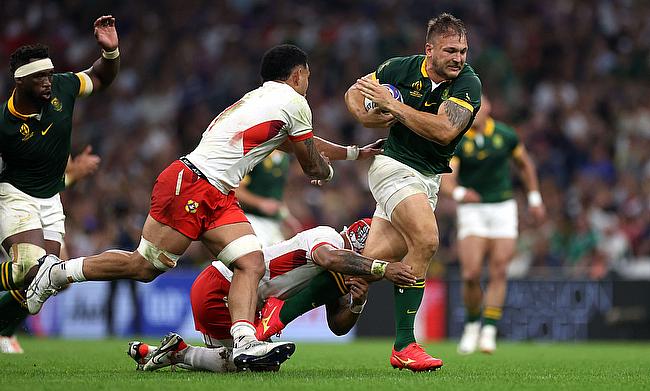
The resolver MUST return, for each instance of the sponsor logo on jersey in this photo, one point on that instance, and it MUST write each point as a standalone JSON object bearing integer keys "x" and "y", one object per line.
{"x": 191, "y": 206}
{"x": 56, "y": 103}
{"x": 44, "y": 132}
{"x": 26, "y": 132}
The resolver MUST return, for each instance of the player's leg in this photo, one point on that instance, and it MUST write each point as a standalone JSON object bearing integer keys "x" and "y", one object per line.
{"x": 236, "y": 246}
{"x": 276, "y": 314}
{"x": 471, "y": 250}
{"x": 495, "y": 294}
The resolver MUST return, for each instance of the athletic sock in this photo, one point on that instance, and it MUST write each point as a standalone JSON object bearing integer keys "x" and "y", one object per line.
{"x": 322, "y": 289}
{"x": 74, "y": 269}
{"x": 407, "y": 303}
{"x": 242, "y": 332}
{"x": 6, "y": 276}
{"x": 492, "y": 315}
{"x": 208, "y": 359}
{"x": 12, "y": 312}
{"x": 472, "y": 317}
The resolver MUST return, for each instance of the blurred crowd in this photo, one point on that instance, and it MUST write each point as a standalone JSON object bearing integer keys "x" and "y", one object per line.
{"x": 573, "y": 77}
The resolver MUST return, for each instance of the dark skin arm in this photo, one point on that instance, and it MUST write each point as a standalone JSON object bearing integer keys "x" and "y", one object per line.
{"x": 349, "y": 262}
{"x": 104, "y": 71}
{"x": 340, "y": 318}
{"x": 313, "y": 163}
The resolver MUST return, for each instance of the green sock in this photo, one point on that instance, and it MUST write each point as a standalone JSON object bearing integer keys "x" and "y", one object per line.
{"x": 492, "y": 315}
{"x": 473, "y": 317}
{"x": 407, "y": 303}
{"x": 12, "y": 312}
{"x": 6, "y": 278}
{"x": 322, "y": 289}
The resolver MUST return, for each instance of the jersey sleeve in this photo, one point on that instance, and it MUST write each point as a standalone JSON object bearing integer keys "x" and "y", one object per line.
{"x": 466, "y": 91}
{"x": 385, "y": 72}
{"x": 298, "y": 118}
{"x": 320, "y": 236}
{"x": 68, "y": 83}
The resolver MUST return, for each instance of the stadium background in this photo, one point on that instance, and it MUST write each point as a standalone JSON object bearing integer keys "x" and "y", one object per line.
{"x": 572, "y": 76}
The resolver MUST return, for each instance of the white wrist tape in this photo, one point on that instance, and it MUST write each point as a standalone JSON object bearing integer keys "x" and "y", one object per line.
{"x": 112, "y": 55}
{"x": 534, "y": 198}
{"x": 458, "y": 193}
{"x": 44, "y": 64}
{"x": 378, "y": 268}
{"x": 357, "y": 308}
{"x": 331, "y": 175}
{"x": 352, "y": 152}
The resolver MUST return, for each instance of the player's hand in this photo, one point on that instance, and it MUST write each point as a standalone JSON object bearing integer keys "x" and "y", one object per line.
{"x": 358, "y": 289}
{"x": 472, "y": 196}
{"x": 371, "y": 149}
{"x": 269, "y": 206}
{"x": 375, "y": 118}
{"x": 374, "y": 91}
{"x": 105, "y": 32}
{"x": 400, "y": 273}
{"x": 321, "y": 182}
{"x": 82, "y": 165}
{"x": 538, "y": 213}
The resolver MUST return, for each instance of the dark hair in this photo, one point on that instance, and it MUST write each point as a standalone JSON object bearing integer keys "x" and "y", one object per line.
{"x": 444, "y": 24}
{"x": 279, "y": 61}
{"x": 23, "y": 54}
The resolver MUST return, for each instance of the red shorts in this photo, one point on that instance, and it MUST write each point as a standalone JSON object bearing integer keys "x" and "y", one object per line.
{"x": 191, "y": 206}
{"x": 209, "y": 297}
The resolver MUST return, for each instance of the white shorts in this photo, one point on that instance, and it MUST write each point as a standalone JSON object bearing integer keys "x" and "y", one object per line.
{"x": 496, "y": 220}
{"x": 21, "y": 212}
{"x": 267, "y": 230}
{"x": 391, "y": 182}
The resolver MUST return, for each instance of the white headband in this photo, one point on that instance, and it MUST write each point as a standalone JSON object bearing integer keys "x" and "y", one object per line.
{"x": 43, "y": 64}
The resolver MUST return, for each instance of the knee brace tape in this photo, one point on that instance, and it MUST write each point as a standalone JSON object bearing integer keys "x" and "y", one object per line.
{"x": 160, "y": 259}
{"x": 24, "y": 256}
{"x": 238, "y": 248}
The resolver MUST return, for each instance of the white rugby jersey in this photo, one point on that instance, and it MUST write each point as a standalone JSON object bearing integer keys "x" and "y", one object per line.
{"x": 289, "y": 264}
{"x": 245, "y": 133}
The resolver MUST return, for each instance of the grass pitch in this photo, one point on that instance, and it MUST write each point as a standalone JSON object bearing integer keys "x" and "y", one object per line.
{"x": 53, "y": 364}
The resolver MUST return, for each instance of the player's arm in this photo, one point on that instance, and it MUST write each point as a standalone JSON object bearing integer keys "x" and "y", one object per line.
{"x": 442, "y": 128}
{"x": 313, "y": 163}
{"x": 373, "y": 118}
{"x": 335, "y": 151}
{"x": 351, "y": 263}
{"x": 105, "y": 69}
{"x": 268, "y": 206}
{"x": 81, "y": 166}
{"x": 343, "y": 313}
{"x": 449, "y": 185}
{"x": 528, "y": 174}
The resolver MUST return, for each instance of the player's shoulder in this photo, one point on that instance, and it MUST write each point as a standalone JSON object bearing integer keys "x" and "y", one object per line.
{"x": 403, "y": 62}
{"x": 321, "y": 231}
{"x": 468, "y": 76}
{"x": 504, "y": 128}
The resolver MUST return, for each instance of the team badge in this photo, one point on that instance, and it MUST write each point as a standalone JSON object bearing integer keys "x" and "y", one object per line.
{"x": 56, "y": 103}
{"x": 191, "y": 206}
{"x": 26, "y": 132}
{"x": 417, "y": 85}
{"x": 445, "y": 94}
{"x": 497, "y": 141}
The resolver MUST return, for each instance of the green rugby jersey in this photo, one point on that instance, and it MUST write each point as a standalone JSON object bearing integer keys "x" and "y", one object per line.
{"x": 409, "y": 75}
{"x": 484, "y": 162}
{"x": 35, "y": 150}
{"x": 267, "y": 179}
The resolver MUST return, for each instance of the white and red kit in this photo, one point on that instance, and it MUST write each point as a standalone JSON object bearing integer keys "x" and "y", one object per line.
{"x": 289, "y": 268}
{"x": 195, "y": 193}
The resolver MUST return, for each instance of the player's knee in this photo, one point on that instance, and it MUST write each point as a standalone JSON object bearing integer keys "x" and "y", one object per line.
{"x": 24, "y": 256}
{"x": 142, "y": 269}
{"x": 425, "y": 245}
{"x": 251, "y": 264}
{"x": 498, "y": 272}
{"x": 161, "y": 260}
{"x": 471, "y": 276}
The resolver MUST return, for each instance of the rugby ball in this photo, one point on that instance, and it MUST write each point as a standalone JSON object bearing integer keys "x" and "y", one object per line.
{"x": 393, "y": 90}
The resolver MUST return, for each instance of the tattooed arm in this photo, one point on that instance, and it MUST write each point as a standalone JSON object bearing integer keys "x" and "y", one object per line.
{"x": 442, "y": 128}
{"x": 351, "y": 263}
{"x": 313, "y": 163}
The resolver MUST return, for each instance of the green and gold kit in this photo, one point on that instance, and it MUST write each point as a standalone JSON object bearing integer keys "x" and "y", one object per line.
{"x": 484, "y": 161}
{"x": 267, "y": 179}
{"x": 409, "y": 75}
{"x": 35, "y": 148}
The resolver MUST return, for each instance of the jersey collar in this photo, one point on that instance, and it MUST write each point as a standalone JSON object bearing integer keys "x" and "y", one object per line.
{"x": 425, "y": 74}
{"x": 15, "y": 113}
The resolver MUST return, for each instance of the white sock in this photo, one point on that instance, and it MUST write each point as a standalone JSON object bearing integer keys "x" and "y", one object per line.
{"x": 74, "y": 269}
{"x": 209, "y": 359}
{"x": 242, "y": 332}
